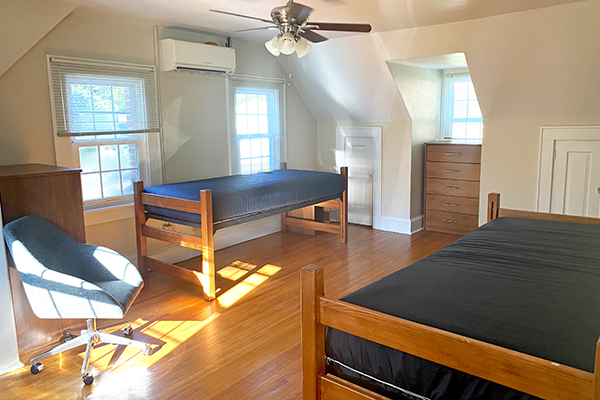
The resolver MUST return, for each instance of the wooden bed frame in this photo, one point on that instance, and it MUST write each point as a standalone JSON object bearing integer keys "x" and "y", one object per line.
{"x": 206, "y": 275}
{"x": 532, "y": 375}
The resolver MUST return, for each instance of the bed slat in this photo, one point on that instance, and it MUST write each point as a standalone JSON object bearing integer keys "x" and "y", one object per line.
{"x": 185, "y": 274}
{"x": 337, "y": 204}
{"x": 180, "y": 239}
{"x": 309, "y": 224}
{"x": 172, "y": 203}
{"x": 334, "y": 388}
{"x": 510, "y": 368}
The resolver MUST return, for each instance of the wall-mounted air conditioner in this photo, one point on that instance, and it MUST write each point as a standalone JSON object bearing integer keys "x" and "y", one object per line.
{"x": 180, "y": 55}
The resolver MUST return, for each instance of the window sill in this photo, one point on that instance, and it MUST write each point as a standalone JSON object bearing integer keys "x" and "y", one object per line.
{"x": 104, "y": 215}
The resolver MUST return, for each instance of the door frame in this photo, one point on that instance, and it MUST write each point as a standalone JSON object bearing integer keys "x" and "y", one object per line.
{"x": 373, "y": 132}
{"x": 549, "y": 136}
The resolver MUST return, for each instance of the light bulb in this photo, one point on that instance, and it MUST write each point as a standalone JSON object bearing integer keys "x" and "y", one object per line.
{"x": 302, "y": 47}
{"x": 287, "y": 43}
{"x": 272, "y": 46}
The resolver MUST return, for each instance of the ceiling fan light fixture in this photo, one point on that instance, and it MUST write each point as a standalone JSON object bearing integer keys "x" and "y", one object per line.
{"x": 302, "y": 47}
{"x": 273, "y": 46}
{"x": 287, "y": 43}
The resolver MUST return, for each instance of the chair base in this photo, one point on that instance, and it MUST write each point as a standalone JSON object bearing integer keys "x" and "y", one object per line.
{"x": 90, "y": 336}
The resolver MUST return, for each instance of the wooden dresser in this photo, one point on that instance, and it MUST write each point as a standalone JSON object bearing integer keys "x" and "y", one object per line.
{"x": 452, "y": 173}
{"x": 53, "y": 193}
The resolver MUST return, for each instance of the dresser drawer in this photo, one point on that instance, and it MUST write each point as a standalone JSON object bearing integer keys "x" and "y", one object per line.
{"x": 449, "y": 187}
{"x": 466, "y": 172}
{"x": 446, "y": 222}
{"x": 454, "y": 153}
{"x": 460, "y": 205}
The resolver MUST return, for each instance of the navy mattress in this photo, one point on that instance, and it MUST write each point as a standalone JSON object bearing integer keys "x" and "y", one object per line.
{"x": 526, "y": 285}
{"x": 237, "y": 196}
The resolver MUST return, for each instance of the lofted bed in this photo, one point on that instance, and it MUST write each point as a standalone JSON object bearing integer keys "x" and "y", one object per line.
{"x": 213, "y": 204}
{"x": 509, "y": 311}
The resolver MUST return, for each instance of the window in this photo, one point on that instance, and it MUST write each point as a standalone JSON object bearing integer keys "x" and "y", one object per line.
{"x": 107, "y": 110}
{"x": 257, "y": 139}
{"x": 461, "y": 115}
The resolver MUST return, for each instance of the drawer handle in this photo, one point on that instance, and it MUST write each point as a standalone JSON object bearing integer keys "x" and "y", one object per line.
{"x": 450, "y": 221}
{"x": 452, "y": 187}
{"x": 452, "y": 170}
{"x": 452, "y": 153}
{"x": 450, "y": 205}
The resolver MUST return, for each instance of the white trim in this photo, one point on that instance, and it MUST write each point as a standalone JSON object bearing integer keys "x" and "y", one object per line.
{"x": 12, "y": 368}
{"x": 416, "y": 224}
{"x": 374, "y": 132}
{"x": 108, "y": 214}
{"x": 393, "y": 224}
{"x": 548, "y": 137}
{"x": 223, "y": 238}
{"x": 401, "y": 225}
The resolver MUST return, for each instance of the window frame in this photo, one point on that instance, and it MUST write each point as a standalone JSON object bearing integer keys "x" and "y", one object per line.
{"x": 446, "y": 108}
{"x": 274, "y": 89}
{"x": 148, "y": 142}
{"x": 142, "y": 166}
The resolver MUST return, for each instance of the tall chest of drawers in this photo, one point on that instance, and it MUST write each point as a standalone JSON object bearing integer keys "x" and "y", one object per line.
{"x": 452, "y": 173}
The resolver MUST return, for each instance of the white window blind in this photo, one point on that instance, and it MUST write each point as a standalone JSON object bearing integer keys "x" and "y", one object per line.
{"x": 103, "y": 98}
{"x": 257, "y": 124}
{"x": 462, "y": 117}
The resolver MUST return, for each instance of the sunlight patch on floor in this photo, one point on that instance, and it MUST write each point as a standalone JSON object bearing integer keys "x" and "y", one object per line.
{"x": 163, "y": 337}
{"x": 241, "y": 289}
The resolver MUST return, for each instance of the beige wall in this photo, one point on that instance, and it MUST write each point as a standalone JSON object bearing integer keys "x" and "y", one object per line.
{"x": 194, "y": 113}
{"x": 530, "y": 69}
{"x": 421, "y": 90}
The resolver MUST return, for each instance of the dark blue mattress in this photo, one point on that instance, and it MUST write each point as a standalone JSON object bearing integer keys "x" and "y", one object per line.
{"x": 240, "y": 196}
{"x": 526, "y": 285}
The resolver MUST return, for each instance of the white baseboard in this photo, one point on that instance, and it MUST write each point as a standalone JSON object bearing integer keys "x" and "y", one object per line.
{"x": 13, "y": 367}
{"x": 416, "y": 224}
{"x": 401, "y": 225}
{"x": 223, "y": 238}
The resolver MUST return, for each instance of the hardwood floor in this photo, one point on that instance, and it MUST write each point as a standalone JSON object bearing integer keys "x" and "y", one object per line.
{"x": 245, "y": 344}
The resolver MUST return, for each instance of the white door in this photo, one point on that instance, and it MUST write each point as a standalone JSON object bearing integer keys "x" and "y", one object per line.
{"x": 576, "y": 178}
{"x": 359, "y": 155}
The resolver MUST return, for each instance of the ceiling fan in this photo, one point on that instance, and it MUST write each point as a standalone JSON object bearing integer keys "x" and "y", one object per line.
{"x": 295, "y": 30}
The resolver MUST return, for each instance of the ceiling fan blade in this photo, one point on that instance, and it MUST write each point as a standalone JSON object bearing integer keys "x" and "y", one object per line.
{"x": 299, "y": 12}
{"x": 257, "y": 29}
{"x": 332, "y": 26}
{"x": 312, "y": 36}
{"x": 268, "y": 21}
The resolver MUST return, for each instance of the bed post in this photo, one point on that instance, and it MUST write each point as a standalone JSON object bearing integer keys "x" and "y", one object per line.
{"x": 140, "y": 220}
{"x": 284, "y": 227}
{"x": 493, "y": 206}
{"x": 344, "y": 210}
{"x": 313, "y": 333}
{"x": 208, "y": 248}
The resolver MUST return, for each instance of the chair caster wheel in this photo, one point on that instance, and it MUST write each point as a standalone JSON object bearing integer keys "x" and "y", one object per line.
{"x": 88, "y": 379}
{"x": 36, "y": 368}
{"x": 147, "y": 351}
{"x": 128, "y": 331}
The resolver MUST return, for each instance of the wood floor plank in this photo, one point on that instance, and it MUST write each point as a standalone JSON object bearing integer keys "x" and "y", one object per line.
{"x": 236, "y": 347}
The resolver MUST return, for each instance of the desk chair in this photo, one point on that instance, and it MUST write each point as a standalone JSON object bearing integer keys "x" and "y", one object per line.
{"x": 66, "y": 279}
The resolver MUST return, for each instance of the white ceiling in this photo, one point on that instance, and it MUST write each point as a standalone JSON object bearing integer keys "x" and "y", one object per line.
{"x": 383, "y": 15}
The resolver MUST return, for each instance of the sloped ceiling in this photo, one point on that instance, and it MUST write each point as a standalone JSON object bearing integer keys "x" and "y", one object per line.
{"x": 383, "y": 15}
{"x": 23, "y": 23}
{"x": 533, "y": 64}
